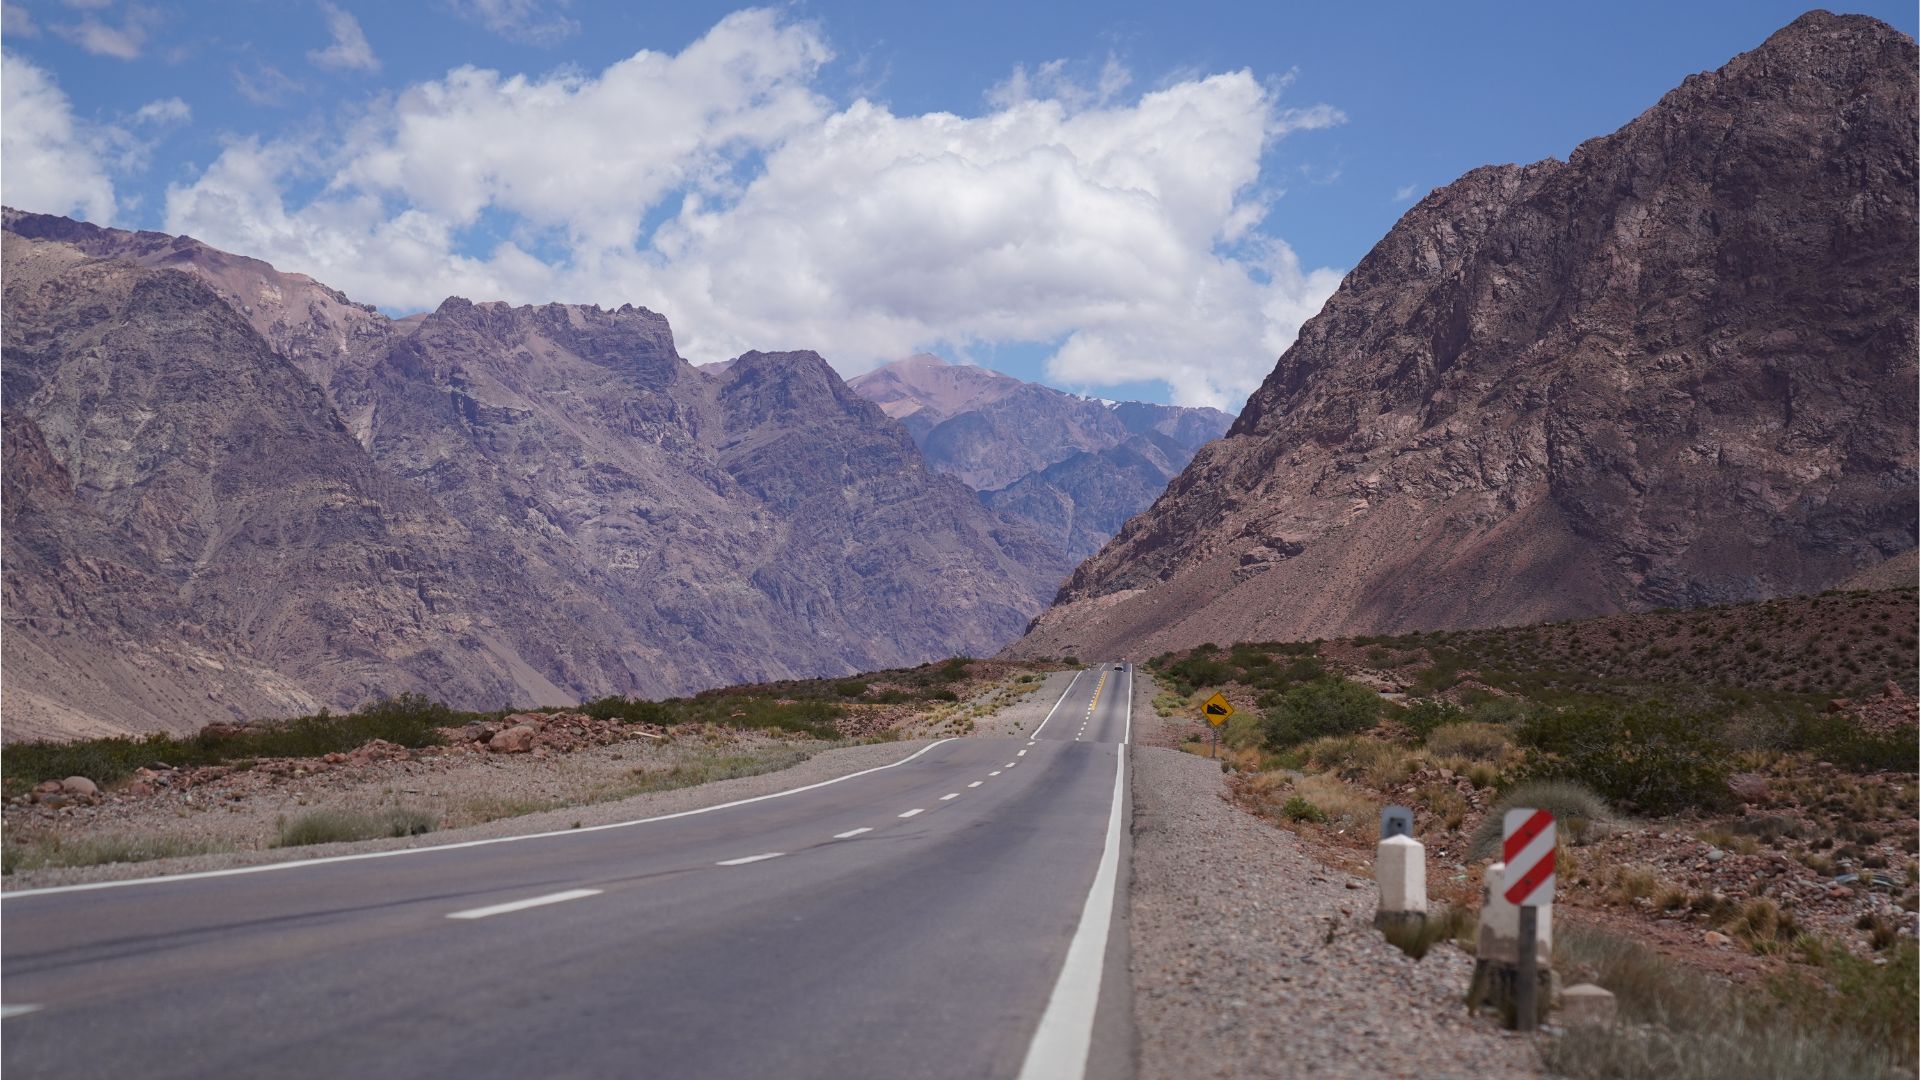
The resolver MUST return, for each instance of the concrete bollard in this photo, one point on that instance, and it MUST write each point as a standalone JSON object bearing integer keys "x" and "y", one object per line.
{"x": 1400, "y": 869}
{"x": 1500, "y": 924}
{"x": 1587, "y": 1004}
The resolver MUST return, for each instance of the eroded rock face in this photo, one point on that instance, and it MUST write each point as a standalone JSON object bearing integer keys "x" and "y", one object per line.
{"x": 233, "y": 493}
{"x": 1073, "y": 468}
{"x": 1678, "y": 368}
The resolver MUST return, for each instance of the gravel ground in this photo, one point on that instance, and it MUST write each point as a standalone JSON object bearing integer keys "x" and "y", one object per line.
{"x": 523, "y": 778}
{"x": 1251, "y": 959}
{"x": 1026, "y": 714}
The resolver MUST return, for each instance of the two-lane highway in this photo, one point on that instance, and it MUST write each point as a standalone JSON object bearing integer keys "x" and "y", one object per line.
{"x": 950, "y": 915}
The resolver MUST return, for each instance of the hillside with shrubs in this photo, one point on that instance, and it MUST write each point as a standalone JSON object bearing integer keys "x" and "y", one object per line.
{"x": 1736, "y": 788}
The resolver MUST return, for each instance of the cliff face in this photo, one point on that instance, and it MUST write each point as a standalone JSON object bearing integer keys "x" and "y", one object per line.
{"x": 1073, "y": 468}
{"x": 193, "y": 535}
{"x": 1678, "y": 368}
{"x": 231, "y": 492}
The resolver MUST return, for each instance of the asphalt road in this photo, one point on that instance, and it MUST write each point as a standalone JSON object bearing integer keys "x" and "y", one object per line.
{"x": 954, "y": 915}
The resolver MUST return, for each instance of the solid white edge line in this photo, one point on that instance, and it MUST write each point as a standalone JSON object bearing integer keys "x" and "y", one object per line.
{"x": 18, "y": 1010}
{"x": 294, "y": 864}
{"x": 851, "y": 833}
{"x": 1064, "y": 1038}
{"x": 1127, "y": 735}
{"x": 745, "y": 859}
{"x": 522, "y": 905}
{"x": 1057, "y": 704}
{"x": 915, "y": 810}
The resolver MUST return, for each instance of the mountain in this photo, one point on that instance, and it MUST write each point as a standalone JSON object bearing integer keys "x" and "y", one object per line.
{"x": 1676, "y": 369}
{"x": 232, "y": 492}
{"x": 1073, "y": 468}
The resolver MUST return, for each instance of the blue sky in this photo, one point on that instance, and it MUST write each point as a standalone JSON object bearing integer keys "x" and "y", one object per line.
{"x": 1131, "y": 199}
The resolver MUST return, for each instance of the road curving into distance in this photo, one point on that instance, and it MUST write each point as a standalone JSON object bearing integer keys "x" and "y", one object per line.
{"x": 954, "y": 914}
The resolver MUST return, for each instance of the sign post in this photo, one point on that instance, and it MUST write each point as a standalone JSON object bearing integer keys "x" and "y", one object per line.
{"x": 1217, "y": 709}
{"x": 1530, "y": 851}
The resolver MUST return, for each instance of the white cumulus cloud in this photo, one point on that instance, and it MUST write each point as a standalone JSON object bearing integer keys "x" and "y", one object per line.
{"x": 720, "y": 187}
{"x": 48, "y": 162}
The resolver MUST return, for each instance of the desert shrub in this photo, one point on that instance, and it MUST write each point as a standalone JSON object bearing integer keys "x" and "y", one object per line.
{"x": 1575, "y": 810}
{"x": 629, "y": 710}
{"x": 854, "y": 688}
{"x": 1472, "y": 740}
{"x": 1835, "y": 738}
{"x": 1846, "y": 1017}
{"x": 409, "y": 720}
{"x": 1330, "y": 706}
{"x": 1297, "y": 808}
{"x": 1645, "y": 755}
{"x": 1198, "y": 669}
{"x": 333, "y": 826}
{"x": 1423, "y": 715}
{"x": 1354, "y": 757}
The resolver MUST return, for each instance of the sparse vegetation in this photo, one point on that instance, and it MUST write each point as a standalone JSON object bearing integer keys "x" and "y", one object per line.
{"x": 1842, "y": 1018}
{"x": 334, "y": 826}
{"x": 409, "y": 720}
{"x": 37, "y": 851}
{"x": 1576, "y": 810}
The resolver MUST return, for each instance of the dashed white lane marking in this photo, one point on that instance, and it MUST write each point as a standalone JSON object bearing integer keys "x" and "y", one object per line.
{"x": 745, "y": 859}
{"x": 522, "y": 905}
{"x": 1022, "y": 753}
{"x": 850, "y": 833}
{"x": 949, "y": 795}
{"x": 976, "y": 783}
{"x": 1057, "y": 704}
{"x": 17, "y": 1010}
{"x": 1010, "y": 764}
{"x": 915, "y": 810}
{"x": 995, "y": 772}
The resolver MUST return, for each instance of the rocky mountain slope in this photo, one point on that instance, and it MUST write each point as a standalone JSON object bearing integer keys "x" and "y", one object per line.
{"x": 1677, "y": 368}
{"x": 232, "y": 492}
{"x": 1073, "y": 468}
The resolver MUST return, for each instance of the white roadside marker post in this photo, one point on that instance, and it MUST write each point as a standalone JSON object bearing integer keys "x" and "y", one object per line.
{"x": 1399, "y": 869}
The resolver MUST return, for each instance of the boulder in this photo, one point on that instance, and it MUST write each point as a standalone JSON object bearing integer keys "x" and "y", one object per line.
{"x": 514, "y": 740}
{"x": 81, "y": 786}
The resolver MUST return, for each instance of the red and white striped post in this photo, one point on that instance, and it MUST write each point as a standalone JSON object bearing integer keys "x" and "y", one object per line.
{"x": 1530, "y": 852}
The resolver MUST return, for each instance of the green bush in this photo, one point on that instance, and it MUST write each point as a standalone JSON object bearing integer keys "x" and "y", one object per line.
{"x": 1835, "y": 738}
{"x": 409, "y": 720}
{"x": 1329, "y": 706}
{"x": 1423, "y": 715}
{"x": 1645, "y": 755}
{"x": 1299, "y": 809}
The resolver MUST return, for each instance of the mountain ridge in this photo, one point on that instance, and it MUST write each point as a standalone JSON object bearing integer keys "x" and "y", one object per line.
{"x": 1676, "y": 368}
{"x": 560, "y": 505}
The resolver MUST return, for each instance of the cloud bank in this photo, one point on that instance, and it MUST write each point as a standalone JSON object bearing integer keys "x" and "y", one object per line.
{"x": 1117, "y": 229}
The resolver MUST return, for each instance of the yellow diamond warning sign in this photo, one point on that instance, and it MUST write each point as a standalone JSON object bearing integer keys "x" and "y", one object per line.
{"x": 1217, "y": 710}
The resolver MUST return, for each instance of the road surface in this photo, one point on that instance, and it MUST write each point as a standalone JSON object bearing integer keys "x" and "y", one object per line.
{"x": 956, "y": 914}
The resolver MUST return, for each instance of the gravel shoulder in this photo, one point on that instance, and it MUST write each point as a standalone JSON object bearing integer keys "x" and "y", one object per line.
{"x": 1252, "y": 959}
{"x": 420, "y": 786}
